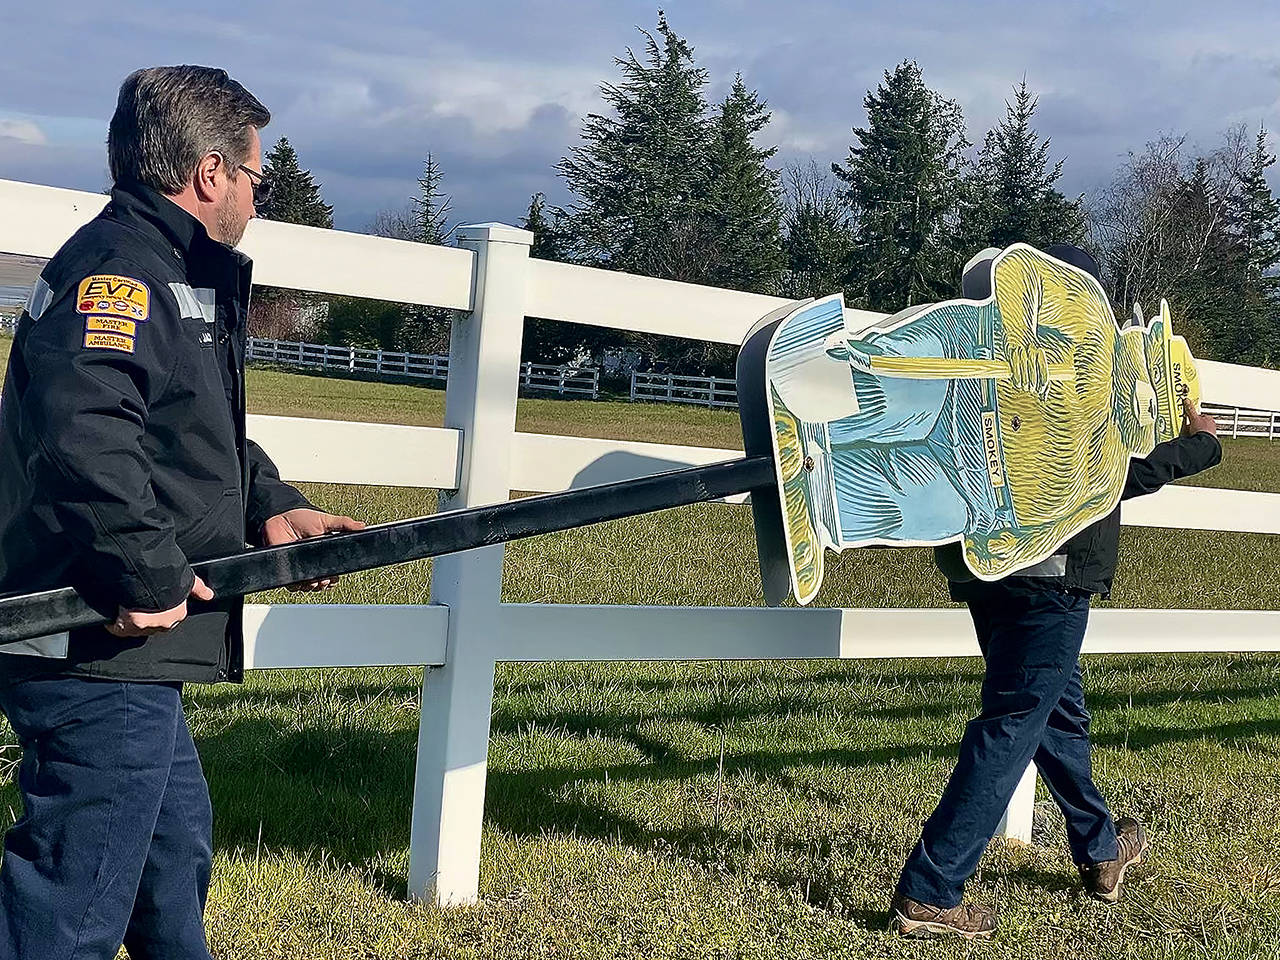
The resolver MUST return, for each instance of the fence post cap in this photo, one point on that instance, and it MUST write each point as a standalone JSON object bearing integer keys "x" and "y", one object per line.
{"x": 494, "y": 233}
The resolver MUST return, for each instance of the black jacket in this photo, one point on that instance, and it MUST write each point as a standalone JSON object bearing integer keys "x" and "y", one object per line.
{"x": 1092, "y": 554}
{"x": 123, "y": 455}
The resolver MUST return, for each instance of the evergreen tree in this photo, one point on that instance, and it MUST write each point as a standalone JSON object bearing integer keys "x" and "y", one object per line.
{"x": 295, "y": 197}
{"x": 977, "y": 205}
{"x": 1197, "y": 231}
{"x": 1257, "y": 216}
{"x": 548, "y": 232}
{"x": 399, "y": 326}
{"x": 1010, "y": 194}
{"x": 432, "y": 206}
{"x": 819, "y": 238}
{"x": 639, "y": 176}
{"x": 554, "y": 341}
{"x": 744, "y": 247}
{"x": 903, "y": 180}
{"x": 1255, "y": 221}
{"x": 426, "y": 329}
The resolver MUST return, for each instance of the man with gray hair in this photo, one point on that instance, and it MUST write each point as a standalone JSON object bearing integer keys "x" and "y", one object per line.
{"x": 123, "y": 459}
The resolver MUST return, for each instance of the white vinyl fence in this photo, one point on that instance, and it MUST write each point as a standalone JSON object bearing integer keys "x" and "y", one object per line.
{"x": 673, "y": 388}
{"x": 478, "y": 458}
{"x": 723, "y": 392}
{"x": 550, "y": 378}
{"x": 1238, "y": 422}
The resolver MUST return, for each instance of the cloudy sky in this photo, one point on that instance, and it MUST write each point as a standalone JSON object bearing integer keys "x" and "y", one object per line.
{"x": 497, "y": 88}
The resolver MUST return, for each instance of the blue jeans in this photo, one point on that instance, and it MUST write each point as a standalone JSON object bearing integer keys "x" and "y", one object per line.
{"x": 114, "y": 844}
{"x": 1033, "y": 708}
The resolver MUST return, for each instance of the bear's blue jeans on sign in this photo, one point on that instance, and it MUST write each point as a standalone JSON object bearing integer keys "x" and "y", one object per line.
{"x": 1030, "y": 632}
{"x": 114, "y": 841}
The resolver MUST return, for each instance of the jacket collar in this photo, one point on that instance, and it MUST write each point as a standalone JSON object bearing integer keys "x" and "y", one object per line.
{"x": 187, "y": 235}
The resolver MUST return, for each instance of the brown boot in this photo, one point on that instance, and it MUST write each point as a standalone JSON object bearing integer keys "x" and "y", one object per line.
{"x": 1102, "y": 880}
{"x": 913, "y": 919}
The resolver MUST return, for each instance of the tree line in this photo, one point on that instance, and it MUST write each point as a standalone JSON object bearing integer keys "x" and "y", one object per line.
{"x": 666, "y": 183}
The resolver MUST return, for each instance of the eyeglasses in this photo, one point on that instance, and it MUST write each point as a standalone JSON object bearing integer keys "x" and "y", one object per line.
{"x": 261, "y": 186}
{"x": 257, "y": 181}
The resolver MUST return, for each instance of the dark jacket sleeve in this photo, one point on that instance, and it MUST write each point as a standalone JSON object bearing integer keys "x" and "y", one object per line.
{"x": 1172, "y": 460}
{"x": 87, "y": 406}
{"x": 268, "y": 494}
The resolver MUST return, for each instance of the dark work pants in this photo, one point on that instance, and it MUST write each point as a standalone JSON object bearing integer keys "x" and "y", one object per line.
{"x": 1032, "y": 709}
{"x": 114, "y": 841}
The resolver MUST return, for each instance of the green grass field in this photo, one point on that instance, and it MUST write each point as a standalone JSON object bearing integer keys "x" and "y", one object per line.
{"x": 614, "y": 828}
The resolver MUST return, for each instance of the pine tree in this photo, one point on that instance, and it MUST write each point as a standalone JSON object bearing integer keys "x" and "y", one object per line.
{"x": 977, "y": 205}
{"x": 639, "y": 176}
{"x": 819, "y": 237}
{"x": 295, "y": 197}
{"x": 903, "y": 181}
{"x": 426, "y": 329}
{"x": 432, "y": 206}
{"x": 554, "y": 341}
{"x": 1011, "y": 195}
{"x": 744, "y": 212}
{"x": 548, "y": 238}
{"x": 397, "y": 326}
{"x": 1255, "y": 220}
{"x": 1194, "y": 230}
{"x": 1258, "y": 215}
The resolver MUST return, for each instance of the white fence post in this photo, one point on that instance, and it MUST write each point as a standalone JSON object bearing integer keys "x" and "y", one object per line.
{"x": 453, "y": 738}
{"x": 1016, "y": 823}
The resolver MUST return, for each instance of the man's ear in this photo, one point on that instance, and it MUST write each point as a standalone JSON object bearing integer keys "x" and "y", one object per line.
{"x": 209, "y": 171}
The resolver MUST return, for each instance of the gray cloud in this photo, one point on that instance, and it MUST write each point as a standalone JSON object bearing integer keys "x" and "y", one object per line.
{"x": 497, "y": 90}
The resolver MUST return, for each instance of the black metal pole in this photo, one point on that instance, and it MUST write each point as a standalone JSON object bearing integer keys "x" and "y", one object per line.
{"x": 25, "y": 616}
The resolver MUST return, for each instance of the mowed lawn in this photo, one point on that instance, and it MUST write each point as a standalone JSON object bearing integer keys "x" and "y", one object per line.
{"x": 757, "y": 809}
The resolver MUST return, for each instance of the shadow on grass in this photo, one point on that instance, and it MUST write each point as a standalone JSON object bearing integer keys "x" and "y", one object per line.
{"x": 344, "y": 789}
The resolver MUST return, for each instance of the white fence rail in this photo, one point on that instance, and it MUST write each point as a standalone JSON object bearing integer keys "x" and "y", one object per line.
{"x": 549, "y": 378}
{"x": 723, "y": 392}
{"x": 1238, "y": 422}
{"x": 480, "y": 457}
{"x": 673, "y": 388}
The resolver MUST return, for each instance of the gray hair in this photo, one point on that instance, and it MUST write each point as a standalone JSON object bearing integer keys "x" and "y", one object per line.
{"x": 168, "y": 118}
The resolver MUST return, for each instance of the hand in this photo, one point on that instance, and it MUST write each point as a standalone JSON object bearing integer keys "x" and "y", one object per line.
{"x": 137, "y": 623}
{"x": 1194, "y": 422}
{"x": 303, "y": 524}
{"x": 1029, "y": 368}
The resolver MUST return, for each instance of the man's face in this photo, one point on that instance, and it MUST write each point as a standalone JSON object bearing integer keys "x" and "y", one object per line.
{"x": 235, "y": 210}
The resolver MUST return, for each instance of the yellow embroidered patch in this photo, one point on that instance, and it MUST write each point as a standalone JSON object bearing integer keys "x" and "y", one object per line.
{"x": 111, "y": 325}
{"x": 111, "y": 295}
{"x": 108, "y": 341}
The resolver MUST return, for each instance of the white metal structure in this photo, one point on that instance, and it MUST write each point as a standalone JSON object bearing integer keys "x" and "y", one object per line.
{"x": 479, "y": 456}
